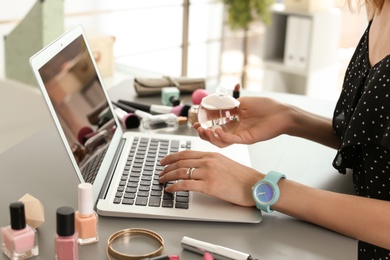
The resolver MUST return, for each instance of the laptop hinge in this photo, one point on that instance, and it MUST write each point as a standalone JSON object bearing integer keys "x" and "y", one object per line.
{"x": 111, "y": 170}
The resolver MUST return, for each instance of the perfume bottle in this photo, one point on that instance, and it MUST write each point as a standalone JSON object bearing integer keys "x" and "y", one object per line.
{"x": 219, "y": 110}
{"x": 19, "y": 240}
{"x": 86, "y": 219}
{"x": 65, "y": 241}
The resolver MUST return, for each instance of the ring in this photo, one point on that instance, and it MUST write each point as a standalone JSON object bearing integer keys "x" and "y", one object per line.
{"x": 189, "y": 172}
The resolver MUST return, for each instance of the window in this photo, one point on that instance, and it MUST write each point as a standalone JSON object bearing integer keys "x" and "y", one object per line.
{"x": 170, "y": 37}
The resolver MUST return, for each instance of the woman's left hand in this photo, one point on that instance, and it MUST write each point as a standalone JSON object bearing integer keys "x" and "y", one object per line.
{"x": 213, "y": 174}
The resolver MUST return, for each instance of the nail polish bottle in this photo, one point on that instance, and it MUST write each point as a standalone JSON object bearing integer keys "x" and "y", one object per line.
{"x": 87, "y": 221}
{"x": 65, "y": 241}
{"x": 170, "y": 96}
{"x": 19, "y": 240}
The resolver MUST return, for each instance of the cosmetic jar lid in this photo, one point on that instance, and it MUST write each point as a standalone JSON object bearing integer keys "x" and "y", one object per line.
{"x": 18, "y": 217}
{"x": 65, "y": 221}
{"x": 219, "y": 100}
{"x": 85, "y": 198}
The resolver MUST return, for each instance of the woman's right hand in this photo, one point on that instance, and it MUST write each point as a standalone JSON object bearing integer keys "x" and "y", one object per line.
{"x": 261, "y": 119}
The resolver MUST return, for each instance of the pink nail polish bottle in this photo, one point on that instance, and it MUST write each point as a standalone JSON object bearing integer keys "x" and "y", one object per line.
{"x": 19, "y": 240}
{"x": 65, "y": 241}
{"x": 87, "y": 223}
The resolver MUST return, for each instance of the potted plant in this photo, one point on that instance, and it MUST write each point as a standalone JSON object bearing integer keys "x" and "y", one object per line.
{"x": 240, "y": 14}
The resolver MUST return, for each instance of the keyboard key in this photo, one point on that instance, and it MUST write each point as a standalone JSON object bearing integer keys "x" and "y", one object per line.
{"x": 131, "y": 190}
{"x": 144, "y": 188}
{"x": 140, "y": 184}
{"x": 145, "y": 183}
{"x": 168, "y": 196}
{"x": 182, "y": 194}
{"x": 182, "y": 199}
{"x": 156, "y": 193}
{"x": 141, "y": 201}
{"x": 132, "y": 184}
{"x": 157, "y": 187}
{"x": 181, "y": 205}
{"x": 129, "y": 195}
{"x": 154, "y": 201}
{"x": 128, "y": 201}
{"x": 143, "y": 194}
{"x": 167, "y": 203}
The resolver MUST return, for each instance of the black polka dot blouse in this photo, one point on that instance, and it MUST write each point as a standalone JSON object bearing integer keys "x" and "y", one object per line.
{"x": 362, "y": 122}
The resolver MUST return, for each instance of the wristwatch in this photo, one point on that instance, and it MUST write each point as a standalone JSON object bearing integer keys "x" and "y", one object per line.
{"x": 266, "y": 192}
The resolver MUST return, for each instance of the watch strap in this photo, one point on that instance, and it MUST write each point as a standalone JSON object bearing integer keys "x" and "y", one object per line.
{"x": 272, "y": 177}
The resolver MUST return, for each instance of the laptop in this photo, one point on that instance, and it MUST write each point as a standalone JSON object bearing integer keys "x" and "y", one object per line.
{"x": 125, "y": 180}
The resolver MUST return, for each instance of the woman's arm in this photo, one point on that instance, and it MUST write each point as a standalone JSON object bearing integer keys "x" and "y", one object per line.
{"x": 215, "y": 175}
{"x": 312, "y": 127}
{"x": 264, "y": 118}
{"x": 362, "y": 218}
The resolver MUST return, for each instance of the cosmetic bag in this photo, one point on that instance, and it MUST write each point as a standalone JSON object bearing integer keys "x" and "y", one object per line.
{"x": 153, "y": 86}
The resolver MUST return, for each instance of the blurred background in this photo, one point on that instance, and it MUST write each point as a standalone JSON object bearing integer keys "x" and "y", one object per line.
{"x": 196, "y": 38}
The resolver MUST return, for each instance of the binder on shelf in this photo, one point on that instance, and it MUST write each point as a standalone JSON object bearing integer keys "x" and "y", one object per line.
{"x": 304, "y": 42}
{"x": 297, "y": 43}
{"x": 291, "y": 42}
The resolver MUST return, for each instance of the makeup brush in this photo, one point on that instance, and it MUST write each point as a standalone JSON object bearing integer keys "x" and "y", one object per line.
{"x": 129, "y": 120}
{"x": 85, "y": 133}
{"x": 180, "y": 110}
{"x": 150, "y": 123}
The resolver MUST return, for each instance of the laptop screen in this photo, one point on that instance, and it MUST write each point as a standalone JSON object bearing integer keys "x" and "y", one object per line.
{"x": 77, "y": 96}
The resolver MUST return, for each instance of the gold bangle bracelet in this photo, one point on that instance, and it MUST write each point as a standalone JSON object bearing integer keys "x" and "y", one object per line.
{"x": 133, "y": 231}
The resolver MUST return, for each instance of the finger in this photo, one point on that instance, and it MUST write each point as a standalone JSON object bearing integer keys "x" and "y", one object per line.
{"x": 177, "y": 164}
{"x": 215, "y": 137}
{"x": 190, "y": 185}
{"x": 202, "y": 134}
{"x": 180, "y": 156}
{"x": 190, "y": 173}
{"x": 176, "y": 174}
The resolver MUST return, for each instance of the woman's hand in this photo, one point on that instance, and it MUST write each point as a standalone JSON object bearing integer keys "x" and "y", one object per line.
{"x": 261, "y": 119}
{"x": 213, "y": 174}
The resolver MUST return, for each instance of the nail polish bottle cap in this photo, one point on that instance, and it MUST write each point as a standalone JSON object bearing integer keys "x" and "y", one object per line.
{"x": 85, "y": 196}
{"x": 18, "y": 217}
{"x": 65, "y": 221}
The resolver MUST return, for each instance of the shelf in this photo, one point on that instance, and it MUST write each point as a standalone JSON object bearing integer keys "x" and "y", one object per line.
{"x": 299, "y": 46}
{"x": 280, "y": 8}
{"x": 279, "y": 65}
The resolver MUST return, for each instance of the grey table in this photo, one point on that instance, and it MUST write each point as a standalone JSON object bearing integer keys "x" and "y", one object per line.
{"x": 40, "y": 166}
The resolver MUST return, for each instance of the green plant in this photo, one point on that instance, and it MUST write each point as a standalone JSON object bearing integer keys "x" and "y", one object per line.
{"x": 242, "y": 12}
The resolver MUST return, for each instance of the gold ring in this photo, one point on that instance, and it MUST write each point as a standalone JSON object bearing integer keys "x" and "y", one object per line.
{"x": 129, "y": 232}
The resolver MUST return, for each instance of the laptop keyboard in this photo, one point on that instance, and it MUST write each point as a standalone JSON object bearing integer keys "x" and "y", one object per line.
{"x": 139, "y": 183}
{"x": 91, "y": 168}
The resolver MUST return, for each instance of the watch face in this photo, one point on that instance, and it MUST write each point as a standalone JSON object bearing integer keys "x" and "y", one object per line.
{"x": 264, "y": 193}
